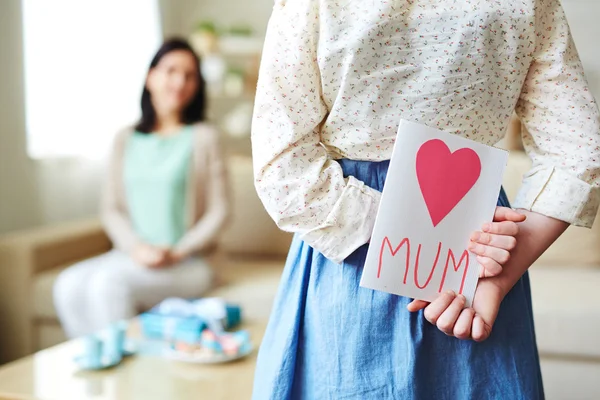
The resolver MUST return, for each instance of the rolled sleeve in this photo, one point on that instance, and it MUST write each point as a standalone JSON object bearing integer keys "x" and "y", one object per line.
{"x": 349, "y": 225}
{"x": 301, "y": 187}
{"x": 559, "y": 194}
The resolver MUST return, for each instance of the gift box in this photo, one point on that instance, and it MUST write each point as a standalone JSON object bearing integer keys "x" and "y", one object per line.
{"x": 185, "y": 320}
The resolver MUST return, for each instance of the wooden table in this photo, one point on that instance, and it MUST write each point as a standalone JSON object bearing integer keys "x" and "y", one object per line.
{"x": 51, "y": 374}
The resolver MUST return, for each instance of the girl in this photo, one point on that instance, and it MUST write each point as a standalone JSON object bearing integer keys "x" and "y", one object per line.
{"x": 336, "y": 79}
{"x": 164, "y": 204}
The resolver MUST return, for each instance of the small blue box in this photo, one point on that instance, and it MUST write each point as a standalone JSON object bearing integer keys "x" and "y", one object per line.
{"x": 186, "y": 328}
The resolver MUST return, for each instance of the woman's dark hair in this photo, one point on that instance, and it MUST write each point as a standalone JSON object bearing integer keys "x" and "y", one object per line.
{"x": 195, "y": 111}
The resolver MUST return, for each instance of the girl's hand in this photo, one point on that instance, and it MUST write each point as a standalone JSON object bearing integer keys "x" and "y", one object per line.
{"x": 493, "y": 244}
{"x": 449, "y": 314}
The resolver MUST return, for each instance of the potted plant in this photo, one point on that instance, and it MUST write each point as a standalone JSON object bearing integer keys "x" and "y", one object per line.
{"x": 205, "y": 38}
{"x": 240, "y": 30}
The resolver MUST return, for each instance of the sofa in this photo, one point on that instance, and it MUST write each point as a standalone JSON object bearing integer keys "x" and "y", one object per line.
{"x": 565, "y": 280}
{"x": 248, "y": 262}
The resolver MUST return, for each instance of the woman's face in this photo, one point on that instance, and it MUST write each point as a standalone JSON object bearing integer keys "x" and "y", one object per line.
{"x": 173, "y": 82}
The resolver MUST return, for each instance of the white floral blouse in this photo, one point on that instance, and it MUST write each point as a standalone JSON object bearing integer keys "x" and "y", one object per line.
{"x": 338, "y": 75}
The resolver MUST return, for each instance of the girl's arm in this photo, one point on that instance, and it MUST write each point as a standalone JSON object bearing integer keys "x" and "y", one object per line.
{"x": 301, "y": 188}
{"x": 535, "y": 236}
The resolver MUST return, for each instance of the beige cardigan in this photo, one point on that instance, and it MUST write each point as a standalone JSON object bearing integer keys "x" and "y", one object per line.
{"x": 207, "y": 197}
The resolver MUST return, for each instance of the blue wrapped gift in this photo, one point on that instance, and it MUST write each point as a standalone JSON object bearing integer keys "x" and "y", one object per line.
{"x": 184, "y": 320}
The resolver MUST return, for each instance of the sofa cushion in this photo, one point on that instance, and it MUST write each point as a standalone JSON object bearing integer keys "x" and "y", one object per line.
{"x": 251, "y": 231}
{"x": 566, "y": 310}
{"x": 43, "y": 301}
{"x": 570, "y": 379}
{"x": 48, "y": 334}
{"x": 252, "y": 284}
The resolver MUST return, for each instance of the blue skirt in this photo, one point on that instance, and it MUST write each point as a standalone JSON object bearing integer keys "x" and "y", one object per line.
{"x": 328, "y": 338}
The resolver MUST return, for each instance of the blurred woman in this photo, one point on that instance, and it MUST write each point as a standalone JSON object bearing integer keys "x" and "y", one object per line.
{"x": 164, "y": 203}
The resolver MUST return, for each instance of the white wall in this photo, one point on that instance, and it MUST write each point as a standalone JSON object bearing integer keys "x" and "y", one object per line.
{"x": 254, "y": 13}
{"x": 19, "y": 200}
{"x": 33, "y": 193}
{"x": 169, "y": 15}
{"x": 583, "y": 19}
{"x": 39, "y": 192}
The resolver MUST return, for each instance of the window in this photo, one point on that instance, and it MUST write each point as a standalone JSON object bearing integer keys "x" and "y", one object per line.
{"x": 85, "y": 64}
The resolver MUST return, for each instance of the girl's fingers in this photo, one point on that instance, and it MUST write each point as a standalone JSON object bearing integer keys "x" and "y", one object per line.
{"x": 438, "y": 306}
{"x": 501, "y": 256}
{"x": 417, "y": 305}
{"x": 507, "y": 228}
{"x": 480, "y": 330}
{"x": 447, "y": 320}
{"x": 489, "y": 268}
{"x": 494, "y": 240}
{"x": 508, "y": 214}
{"x": 462, "y": 328}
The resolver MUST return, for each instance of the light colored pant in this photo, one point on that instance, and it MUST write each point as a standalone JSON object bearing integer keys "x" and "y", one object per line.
{"x": 94, "y": 293}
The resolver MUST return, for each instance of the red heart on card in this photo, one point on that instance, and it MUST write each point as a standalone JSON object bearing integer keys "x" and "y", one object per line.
{"x": 445, "y": 177}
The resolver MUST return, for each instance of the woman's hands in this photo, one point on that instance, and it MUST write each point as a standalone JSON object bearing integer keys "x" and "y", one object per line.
{"x": 156, "y": 257}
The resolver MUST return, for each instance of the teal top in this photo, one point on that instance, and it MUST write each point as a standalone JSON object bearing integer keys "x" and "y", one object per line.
{"x": 156, "y": 175}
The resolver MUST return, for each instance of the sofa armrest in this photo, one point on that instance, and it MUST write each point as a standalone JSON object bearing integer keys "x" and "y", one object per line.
{"x": 27, "y": 253}
{"x": 52, "y": 246}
